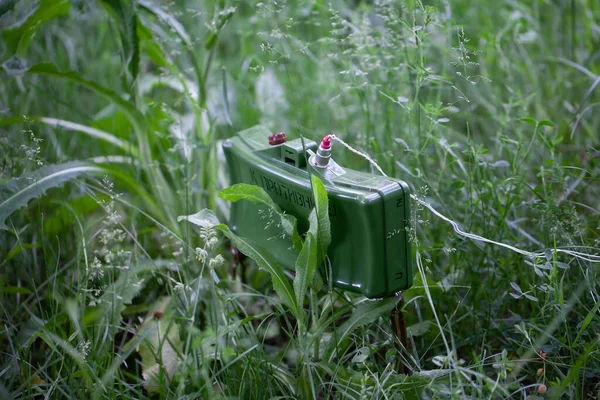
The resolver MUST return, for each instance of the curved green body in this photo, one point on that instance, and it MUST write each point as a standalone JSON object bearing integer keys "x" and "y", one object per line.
{"x": 369, "y": 252}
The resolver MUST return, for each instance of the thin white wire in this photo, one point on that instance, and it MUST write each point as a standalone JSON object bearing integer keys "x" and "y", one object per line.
{"x": 582, "y": 256}
{"x": 360, "y": 153}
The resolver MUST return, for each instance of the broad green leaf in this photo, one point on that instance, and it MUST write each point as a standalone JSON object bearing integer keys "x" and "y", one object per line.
{"x": 529, "y": 120}
{"x": 545, "y": 122}
{"x": 204, "y": 218}
{"x": 19, "y": 38}
{"x": 306, "y": 264}
{"x": 17, "y": 192}
{"x": 324, "y": 225}
{"x": 253, "y": 193}
{"x": 365, "y": 313}
{"x": 266, "y": 262}
{"x": 257, "y": 195}
{"x": 313, "y": 223}
{"x": 290, "y": 226}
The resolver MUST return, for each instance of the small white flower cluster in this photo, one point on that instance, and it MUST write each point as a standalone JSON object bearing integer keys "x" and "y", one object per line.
{"x": 201, "y": 255}
{"x": 216, "y": 262}
{"x": 268, "y": 216}
{"x": 96, "y": 271}
{"x": 83, "y": 348}
{"x": 32, "y": 151}
{"x": 209, "y": 235}
{"x": 415, "y": 215}
{"x": 110, "y": 256}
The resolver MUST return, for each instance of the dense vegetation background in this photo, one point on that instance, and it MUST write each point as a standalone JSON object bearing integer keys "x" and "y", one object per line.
{"x": 111, "y": 113}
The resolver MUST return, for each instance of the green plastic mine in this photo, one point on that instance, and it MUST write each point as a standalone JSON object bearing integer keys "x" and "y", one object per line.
{"x": 370, "y": 252}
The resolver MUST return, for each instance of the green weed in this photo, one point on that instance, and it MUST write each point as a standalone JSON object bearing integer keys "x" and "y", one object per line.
{"x": 111, "y": 116}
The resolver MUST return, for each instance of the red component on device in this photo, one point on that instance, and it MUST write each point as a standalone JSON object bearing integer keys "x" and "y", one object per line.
{"x": 326, "y": 142}
{"x": 277, "y": 138}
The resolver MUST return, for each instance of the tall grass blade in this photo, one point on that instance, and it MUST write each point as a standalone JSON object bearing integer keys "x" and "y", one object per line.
{"x": 124, "y": 14}
{"x": 76, "y": 127}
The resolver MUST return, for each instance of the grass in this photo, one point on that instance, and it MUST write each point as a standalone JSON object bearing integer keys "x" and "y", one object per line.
{"x": 111, "y": 114}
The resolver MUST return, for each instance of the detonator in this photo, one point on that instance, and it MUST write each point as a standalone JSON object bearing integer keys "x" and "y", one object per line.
{"x": 370, "y": 252}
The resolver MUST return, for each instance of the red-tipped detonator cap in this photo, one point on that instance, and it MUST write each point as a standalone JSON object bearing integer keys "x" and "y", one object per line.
{"x": 321, "y": 159}
{"x": 277, "y": 138}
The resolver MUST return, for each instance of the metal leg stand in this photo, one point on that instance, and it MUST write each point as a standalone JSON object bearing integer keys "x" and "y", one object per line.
{"x": 237, "y": 259}
{"x": 399, "y": 328}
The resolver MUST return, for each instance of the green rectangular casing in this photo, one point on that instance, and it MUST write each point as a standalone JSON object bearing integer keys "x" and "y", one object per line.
{"x": 370, "y": 251}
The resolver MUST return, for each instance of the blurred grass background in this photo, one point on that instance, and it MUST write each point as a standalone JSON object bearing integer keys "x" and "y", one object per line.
{"x": 487, "y": 109}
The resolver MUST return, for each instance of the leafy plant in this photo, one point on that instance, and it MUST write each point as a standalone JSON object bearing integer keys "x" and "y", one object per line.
{"x": 17, "y": 192}
{"x": 111, "y": 118}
